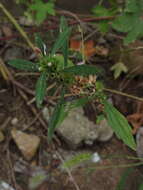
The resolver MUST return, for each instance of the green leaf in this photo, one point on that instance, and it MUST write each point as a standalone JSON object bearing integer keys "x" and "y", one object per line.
{"x": 101, "y": 11}
{"x": 119, "y": 68}
{"x": 135, "y": 33}
{"x": 24, "y": 65}
{"x": 40, "y": 44}
{"x": 119, "y": 124}
{"x": 83, "y": 70}
{"x": 141, "y": 187}
{"x": 122, "y": 183}
{"x": 37, "y": 179}
{"x": 56, "y": 117}
{"x": 65, "y": 53}
{"x": 140, "y": 4}
{"x": 41, "y": 86}
{"x": 131, "y": 6}
{"x": 76, "y": 160}
{"x": 63, "y": 27}
{"x": 103, "y": 26}
{"x": 60, "y": 62}
{"x": 125, "y": 22}
{"x": 63, "y": 36}
{"x": 80, "y": 102}
{"x": 63, "y": 23}
{"x": 42, "y": 9}
{"x": 131, "y": 23}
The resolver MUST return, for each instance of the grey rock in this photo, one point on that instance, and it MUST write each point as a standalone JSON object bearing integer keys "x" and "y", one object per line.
{"x": 105, "y": 132}
{"x": 77, "y": 128}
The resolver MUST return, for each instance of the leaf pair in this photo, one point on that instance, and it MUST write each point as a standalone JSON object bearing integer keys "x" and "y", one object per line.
{"x": 62, "y": 39}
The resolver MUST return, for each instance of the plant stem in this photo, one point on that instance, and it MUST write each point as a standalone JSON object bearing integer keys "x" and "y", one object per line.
{"x": 18, "y": 27}
{"x": 123, "y": 94}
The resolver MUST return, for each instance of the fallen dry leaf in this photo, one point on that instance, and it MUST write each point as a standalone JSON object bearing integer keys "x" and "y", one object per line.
{"x": 89, "y": 48}
{"x": 136, "y": 119}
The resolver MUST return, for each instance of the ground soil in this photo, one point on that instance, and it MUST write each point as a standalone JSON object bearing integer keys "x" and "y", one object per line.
{"x": 14, "y": 100}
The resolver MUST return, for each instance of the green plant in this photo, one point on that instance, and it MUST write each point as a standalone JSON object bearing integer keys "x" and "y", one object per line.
{"x": 127, "y": 20}
{"x": 38, "y": 9}
{"x": 79, "y": 80}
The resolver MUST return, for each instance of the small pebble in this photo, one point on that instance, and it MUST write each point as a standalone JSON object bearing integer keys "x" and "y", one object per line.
{"x": 14, "y": 121}
{"x": 95, "y": 157}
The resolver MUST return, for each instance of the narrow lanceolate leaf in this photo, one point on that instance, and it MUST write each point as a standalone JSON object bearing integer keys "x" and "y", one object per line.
{"x": 76, "y": 160}
{"x": 84, "y": 70}
{"x": 122, "y": 183}
{"x": 141, "y": 187}
{"x": 63, "y": 36}
{"x": 63, "y": 27}
{"x": 41, "y": 88}
{"x": 119, "y": 124}
{"x": 40, "y": 44}
{"x": 65, "y": 53}
{"x": 63, "y": 24}
{"x": 24, "y": 65}
{"x": 56, "y": 117}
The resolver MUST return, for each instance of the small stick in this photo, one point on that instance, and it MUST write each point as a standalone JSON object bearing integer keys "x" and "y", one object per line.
{"x": 123, "y": 94}
{"x": 17, "y": 26}
{"x": 5, "y": 123}
{"x": 68, "y": 172}
{"x": 33, "y": 109}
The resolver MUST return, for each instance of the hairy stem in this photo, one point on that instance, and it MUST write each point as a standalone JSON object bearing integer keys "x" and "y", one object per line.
{"x": 17, "y": 26}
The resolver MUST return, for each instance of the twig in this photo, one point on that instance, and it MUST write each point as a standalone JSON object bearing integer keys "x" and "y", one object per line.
{"x": 26, "y": 74}
{"x": 74, "y": 22}
{"x": 18, "y": 27}
{"x": 123, "y": 94}
{"x": 69, "y": 172}
{"x": 18, "y": 84}
{"x": 49, "y": 88}
{"x": 33, "y": 109}
{"x": 34, "y": 120}
{"x": 5, "y": 123}
{"x": 4, "y": 71}
{"x": 11, "y": 167}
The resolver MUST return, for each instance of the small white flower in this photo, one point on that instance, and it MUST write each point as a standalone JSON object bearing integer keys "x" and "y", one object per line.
{"x": 40, "y": 68}
{"x": 95, "y": 157}
{"x": 49, "y": 64}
